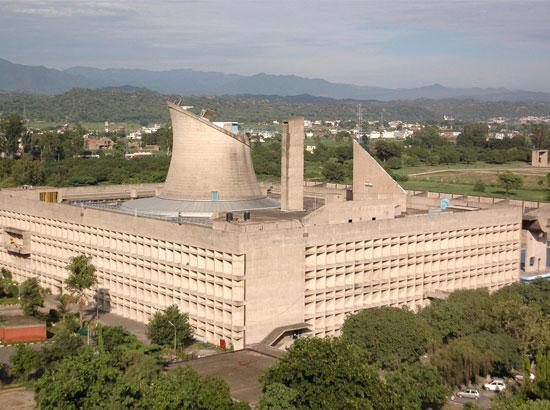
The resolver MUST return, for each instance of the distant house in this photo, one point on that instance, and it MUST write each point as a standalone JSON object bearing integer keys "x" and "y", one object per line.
{"x": 97, "y": 144}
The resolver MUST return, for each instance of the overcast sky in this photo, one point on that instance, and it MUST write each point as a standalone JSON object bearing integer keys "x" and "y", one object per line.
{"x": 460, "y": 43}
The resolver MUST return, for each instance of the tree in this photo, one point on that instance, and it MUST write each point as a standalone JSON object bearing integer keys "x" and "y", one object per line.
{"x": 8, "y": 288}
{"x": 160, "y": 328}
{"x": 421, "y": 386}
{"x": 278, "y": 397}
{"x": 330, "y": 374}
{"x": 428, "y": 137}
{"x": 387, "y": 149}
{"x": 184, "y": 388}
{"x": 460, "y": 362}
{"x": 24, "y": 361}
{"x": 508, "y": 180}
{"x": 479, "y": 186}
{"x": 473, "y": 135}
{"x": 83, "y": 381}
{"x": 81, "y": 278}
{"x": 26, "y": 171}
{"x": 462, "y": 313}
{"x": 333, "y": 171}
{"x": 539, "y": 132}
{"x": 12, "y": 129}
{"x": 388, "y": 336}
{"x": 32, "y": 296}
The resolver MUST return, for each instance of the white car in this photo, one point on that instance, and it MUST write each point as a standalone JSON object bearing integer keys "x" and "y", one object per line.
{"x": 495, "y": 385}
{"x": 468, "y": 394}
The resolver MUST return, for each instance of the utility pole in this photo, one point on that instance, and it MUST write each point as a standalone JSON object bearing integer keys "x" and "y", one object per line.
{"x": 175, "y": 334}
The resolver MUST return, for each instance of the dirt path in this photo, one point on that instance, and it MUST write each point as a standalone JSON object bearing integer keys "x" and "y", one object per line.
{"x": 16, "y": 398}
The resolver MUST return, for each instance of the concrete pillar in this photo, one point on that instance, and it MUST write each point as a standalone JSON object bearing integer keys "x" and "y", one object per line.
{"x": 292, "y": 165}
{"x": 535, "y": 251}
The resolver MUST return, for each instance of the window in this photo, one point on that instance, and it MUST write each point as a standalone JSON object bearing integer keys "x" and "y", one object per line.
{"x": 214, "y": 195}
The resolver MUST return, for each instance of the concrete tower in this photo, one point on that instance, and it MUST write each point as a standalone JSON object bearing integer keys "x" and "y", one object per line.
{"x": 292, "y": 165}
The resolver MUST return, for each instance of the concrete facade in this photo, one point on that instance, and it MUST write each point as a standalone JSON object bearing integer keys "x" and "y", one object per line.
{"x": 539, "y": 158}
{"x": 240, "y": 279}
{"x": 292, "y": 165}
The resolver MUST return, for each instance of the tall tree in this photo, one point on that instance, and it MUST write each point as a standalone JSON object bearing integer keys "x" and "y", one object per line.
{"x": 81, "y": 278}
{"x": 32, "y": 296}
{"x": 168, "y": 325}
{"x": 388, "y": 336}
{"x": 12, "y": 130}
{"x": 330, "y": 374}
{"x": 509, "y": 181}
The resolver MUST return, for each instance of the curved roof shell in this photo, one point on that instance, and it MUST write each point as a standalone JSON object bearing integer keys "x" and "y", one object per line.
{"x": 208, "y": 161}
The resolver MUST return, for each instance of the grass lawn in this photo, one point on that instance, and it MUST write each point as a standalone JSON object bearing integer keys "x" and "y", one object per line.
{"x": 474, "y": 165}
{"x": 527, "y": 193}
{"x": 9, "y": 301}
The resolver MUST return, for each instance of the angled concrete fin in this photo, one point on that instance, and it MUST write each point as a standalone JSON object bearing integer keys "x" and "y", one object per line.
{"x": 371, "y": 181}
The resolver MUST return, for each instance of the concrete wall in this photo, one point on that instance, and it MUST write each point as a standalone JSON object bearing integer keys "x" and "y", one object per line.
{"x": 539, "y": 158}
{"x": 535, "y": 251}
{"x": 292, "y": 165}
{"x": 23, "y": 333}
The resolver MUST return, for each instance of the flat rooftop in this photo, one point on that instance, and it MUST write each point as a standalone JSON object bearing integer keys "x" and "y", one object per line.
{"x": 241, "y": 370}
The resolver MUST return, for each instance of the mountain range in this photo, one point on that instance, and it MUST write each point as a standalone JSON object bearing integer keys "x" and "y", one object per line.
{"x": 50, "y": 81}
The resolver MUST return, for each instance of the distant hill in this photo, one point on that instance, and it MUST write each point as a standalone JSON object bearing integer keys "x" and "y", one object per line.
{"x": 41, "y": 80}
{"x": 120, "y": 104}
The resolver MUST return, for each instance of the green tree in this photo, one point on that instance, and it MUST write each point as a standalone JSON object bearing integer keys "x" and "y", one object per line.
{"x": 516, "y": 310}
{"x": 278, "y": 397}
{"x": 333, "y": 171}
{"x": 161, "y": 331}
{"x": 509, "y": 181}
{"x": 421, "y": 386}
{"x": 460, "y": 362}
{"x": 81, "y": 278}
{"x": 32, "y": 296}
{"x": 387, "y": 149}
{"x": 12, "y": 129}
{"x": 479, "y": 186}
{"x": 83, "y": 381}
{"x": 26, "y": 171}
{"x": 330, "y": 374}
{"x": 388, "y": 336}
{"x": 473, "y": 135}
{"x": 184, "y": 388}
{"x": 539, "y": 134}
{"x": 24, "y": 361}
{"x": 463, "y": 313}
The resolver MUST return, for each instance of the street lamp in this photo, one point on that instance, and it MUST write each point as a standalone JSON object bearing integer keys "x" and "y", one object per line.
{"x": 175, "y": 334}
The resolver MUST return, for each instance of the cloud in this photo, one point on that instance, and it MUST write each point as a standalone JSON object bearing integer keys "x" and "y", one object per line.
{"x": 66, "y": 8}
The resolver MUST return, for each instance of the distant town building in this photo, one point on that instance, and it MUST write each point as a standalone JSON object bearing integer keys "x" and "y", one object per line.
{"x": 97, "y": 144}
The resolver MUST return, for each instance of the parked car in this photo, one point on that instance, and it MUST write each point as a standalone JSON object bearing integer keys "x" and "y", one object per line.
{"x": 495, "y": 385}
{"x": 468, "y": 394}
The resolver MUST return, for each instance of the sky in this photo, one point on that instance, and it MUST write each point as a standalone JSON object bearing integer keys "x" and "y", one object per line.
{"x": 386, "y": 43}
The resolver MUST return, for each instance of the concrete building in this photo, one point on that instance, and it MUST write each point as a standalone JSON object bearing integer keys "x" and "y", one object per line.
{"x": 247, "y": 272}
{"x": 539, "y": 158}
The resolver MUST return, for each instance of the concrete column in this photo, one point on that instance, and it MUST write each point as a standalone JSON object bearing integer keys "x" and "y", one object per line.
{"x": 292, "y": 165}
{"x": 535, "y": 252}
